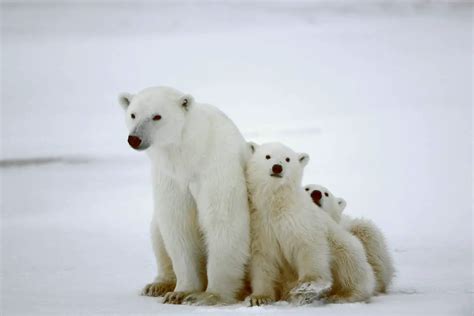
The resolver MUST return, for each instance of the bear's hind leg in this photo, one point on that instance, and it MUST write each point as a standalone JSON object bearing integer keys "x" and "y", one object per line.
{"x": 165, "y": 280}
{"x": 377, "y": 252}
{"x": 354, "y": 279}
{"x": 314, "y": 274}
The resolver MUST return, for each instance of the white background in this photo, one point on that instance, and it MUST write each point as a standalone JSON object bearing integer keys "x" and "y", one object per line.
{"x": 378, "y": 93}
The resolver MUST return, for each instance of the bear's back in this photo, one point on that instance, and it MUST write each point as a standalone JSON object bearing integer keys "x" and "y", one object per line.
{"x": 209, "y": 125}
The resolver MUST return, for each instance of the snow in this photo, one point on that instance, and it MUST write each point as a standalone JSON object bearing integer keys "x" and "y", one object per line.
{"x": 379, "y": 94}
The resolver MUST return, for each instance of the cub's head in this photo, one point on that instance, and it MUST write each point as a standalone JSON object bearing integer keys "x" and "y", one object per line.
{"x": 273, "y": 165}
{"x": 322, "y": 197}
{"x": 155, "y": 116}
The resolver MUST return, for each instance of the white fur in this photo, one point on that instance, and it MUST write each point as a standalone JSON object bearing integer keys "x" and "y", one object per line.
{"x": 366, "y": 231}
{"x": 294, "y": 248}
{"x": 201, "y": 216}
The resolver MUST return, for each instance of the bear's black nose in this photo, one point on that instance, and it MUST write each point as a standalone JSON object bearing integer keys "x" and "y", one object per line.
{"x": 277, "y": 169}
{"x": 316, "y": 196}
{"x": 134, "y": 141}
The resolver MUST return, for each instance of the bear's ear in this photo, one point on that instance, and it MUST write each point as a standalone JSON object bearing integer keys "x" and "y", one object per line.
{"x": 252, "y": 146}
{"x": 342, "y": 203}
{"x": 125, "y": 99}
{"x": 186, "y": 101}
{"x": 303, "y": 158}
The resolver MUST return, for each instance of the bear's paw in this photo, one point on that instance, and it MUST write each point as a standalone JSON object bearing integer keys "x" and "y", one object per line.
{"x": 156, "y": 289}
{"x": 260, "y": 300}
{"x": 308, "y": 292}
{"x": 175, "y": 298}
{"x": 203, "y": 298}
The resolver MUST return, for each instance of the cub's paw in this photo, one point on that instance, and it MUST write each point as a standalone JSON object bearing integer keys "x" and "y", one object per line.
{"x": 203, "y": 298}
{"x": 260, "y": 300}
{"x": 174, "y": 297}
{"x": 158, "y": 288}
{"x": 303, "y": 298}
{"x": 312, "y": 287}
{"x": 308, "y": 292}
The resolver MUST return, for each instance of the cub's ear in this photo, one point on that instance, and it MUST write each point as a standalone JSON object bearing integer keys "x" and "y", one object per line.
{"x": 186, "y": 101}
{"x": 342, "y": 203}
{"x": 125, "y": 99}
{"x": 252, "y": 146}
{"x": 303, "y": 158}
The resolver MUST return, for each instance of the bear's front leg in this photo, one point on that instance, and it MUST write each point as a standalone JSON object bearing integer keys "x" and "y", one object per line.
{"x": 176, "y": 216}
{"x": 224, "y": 219}
{"x": 263, "y": 273}
{"x": 264, "y": 270}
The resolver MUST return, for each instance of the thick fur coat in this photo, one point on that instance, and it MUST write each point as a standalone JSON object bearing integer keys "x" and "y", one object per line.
{"x": 297, "y": 252}
{"x": 200, "y": 225}
{"x": 365, "y": 230}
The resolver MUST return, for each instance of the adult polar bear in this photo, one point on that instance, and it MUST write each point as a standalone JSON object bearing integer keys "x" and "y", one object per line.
{"x": 201, "y": 214}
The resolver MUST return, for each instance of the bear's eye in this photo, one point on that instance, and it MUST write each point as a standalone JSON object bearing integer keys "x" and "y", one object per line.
{"x": 287, "y": 159}
{"x": 132, "y": 115}
{"x": 268, "y": 157}
{"x": 326, "y": 194}
{"x": 157, "y": 117}
{"x": 307, "y": 189}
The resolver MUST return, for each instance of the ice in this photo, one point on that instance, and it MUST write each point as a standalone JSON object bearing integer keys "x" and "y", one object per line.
{"x": 379, "y": 94}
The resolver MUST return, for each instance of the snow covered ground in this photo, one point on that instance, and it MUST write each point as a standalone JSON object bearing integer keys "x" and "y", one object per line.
{"x": 378, "y": 93}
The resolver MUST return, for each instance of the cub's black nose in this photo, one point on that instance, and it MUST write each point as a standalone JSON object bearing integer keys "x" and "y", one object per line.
{"x": 277, "y": 169}
{"x": 134, "y": 141}
{"x": 316, "y": 196}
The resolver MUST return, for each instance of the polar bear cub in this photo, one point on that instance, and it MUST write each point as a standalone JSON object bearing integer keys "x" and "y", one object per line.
{"x": 365, "y": 230}
{"x": 289, "y": 245}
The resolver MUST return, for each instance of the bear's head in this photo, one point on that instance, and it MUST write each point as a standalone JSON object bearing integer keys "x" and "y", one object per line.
{"x": 322, "y": 197}
{"x": 155, "y": 116}
{"x": 274, "y": 165}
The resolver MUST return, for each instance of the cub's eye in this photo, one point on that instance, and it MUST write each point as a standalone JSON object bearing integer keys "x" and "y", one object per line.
{"x": 157, "y": 117}
{"x": 132, "y": 116}
{"x": 307, "y": 189}
{"x": 326, "y": 194}
{"x": 287, "y": 159}
{"x": 268, "y": 157}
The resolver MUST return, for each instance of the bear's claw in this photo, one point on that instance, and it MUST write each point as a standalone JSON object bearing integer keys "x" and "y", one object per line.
{"x": 260, "y": 300}
{"x": 202, "y": 298}
{"x": 174, "y": 297}
{"x": 158, "y": 288}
